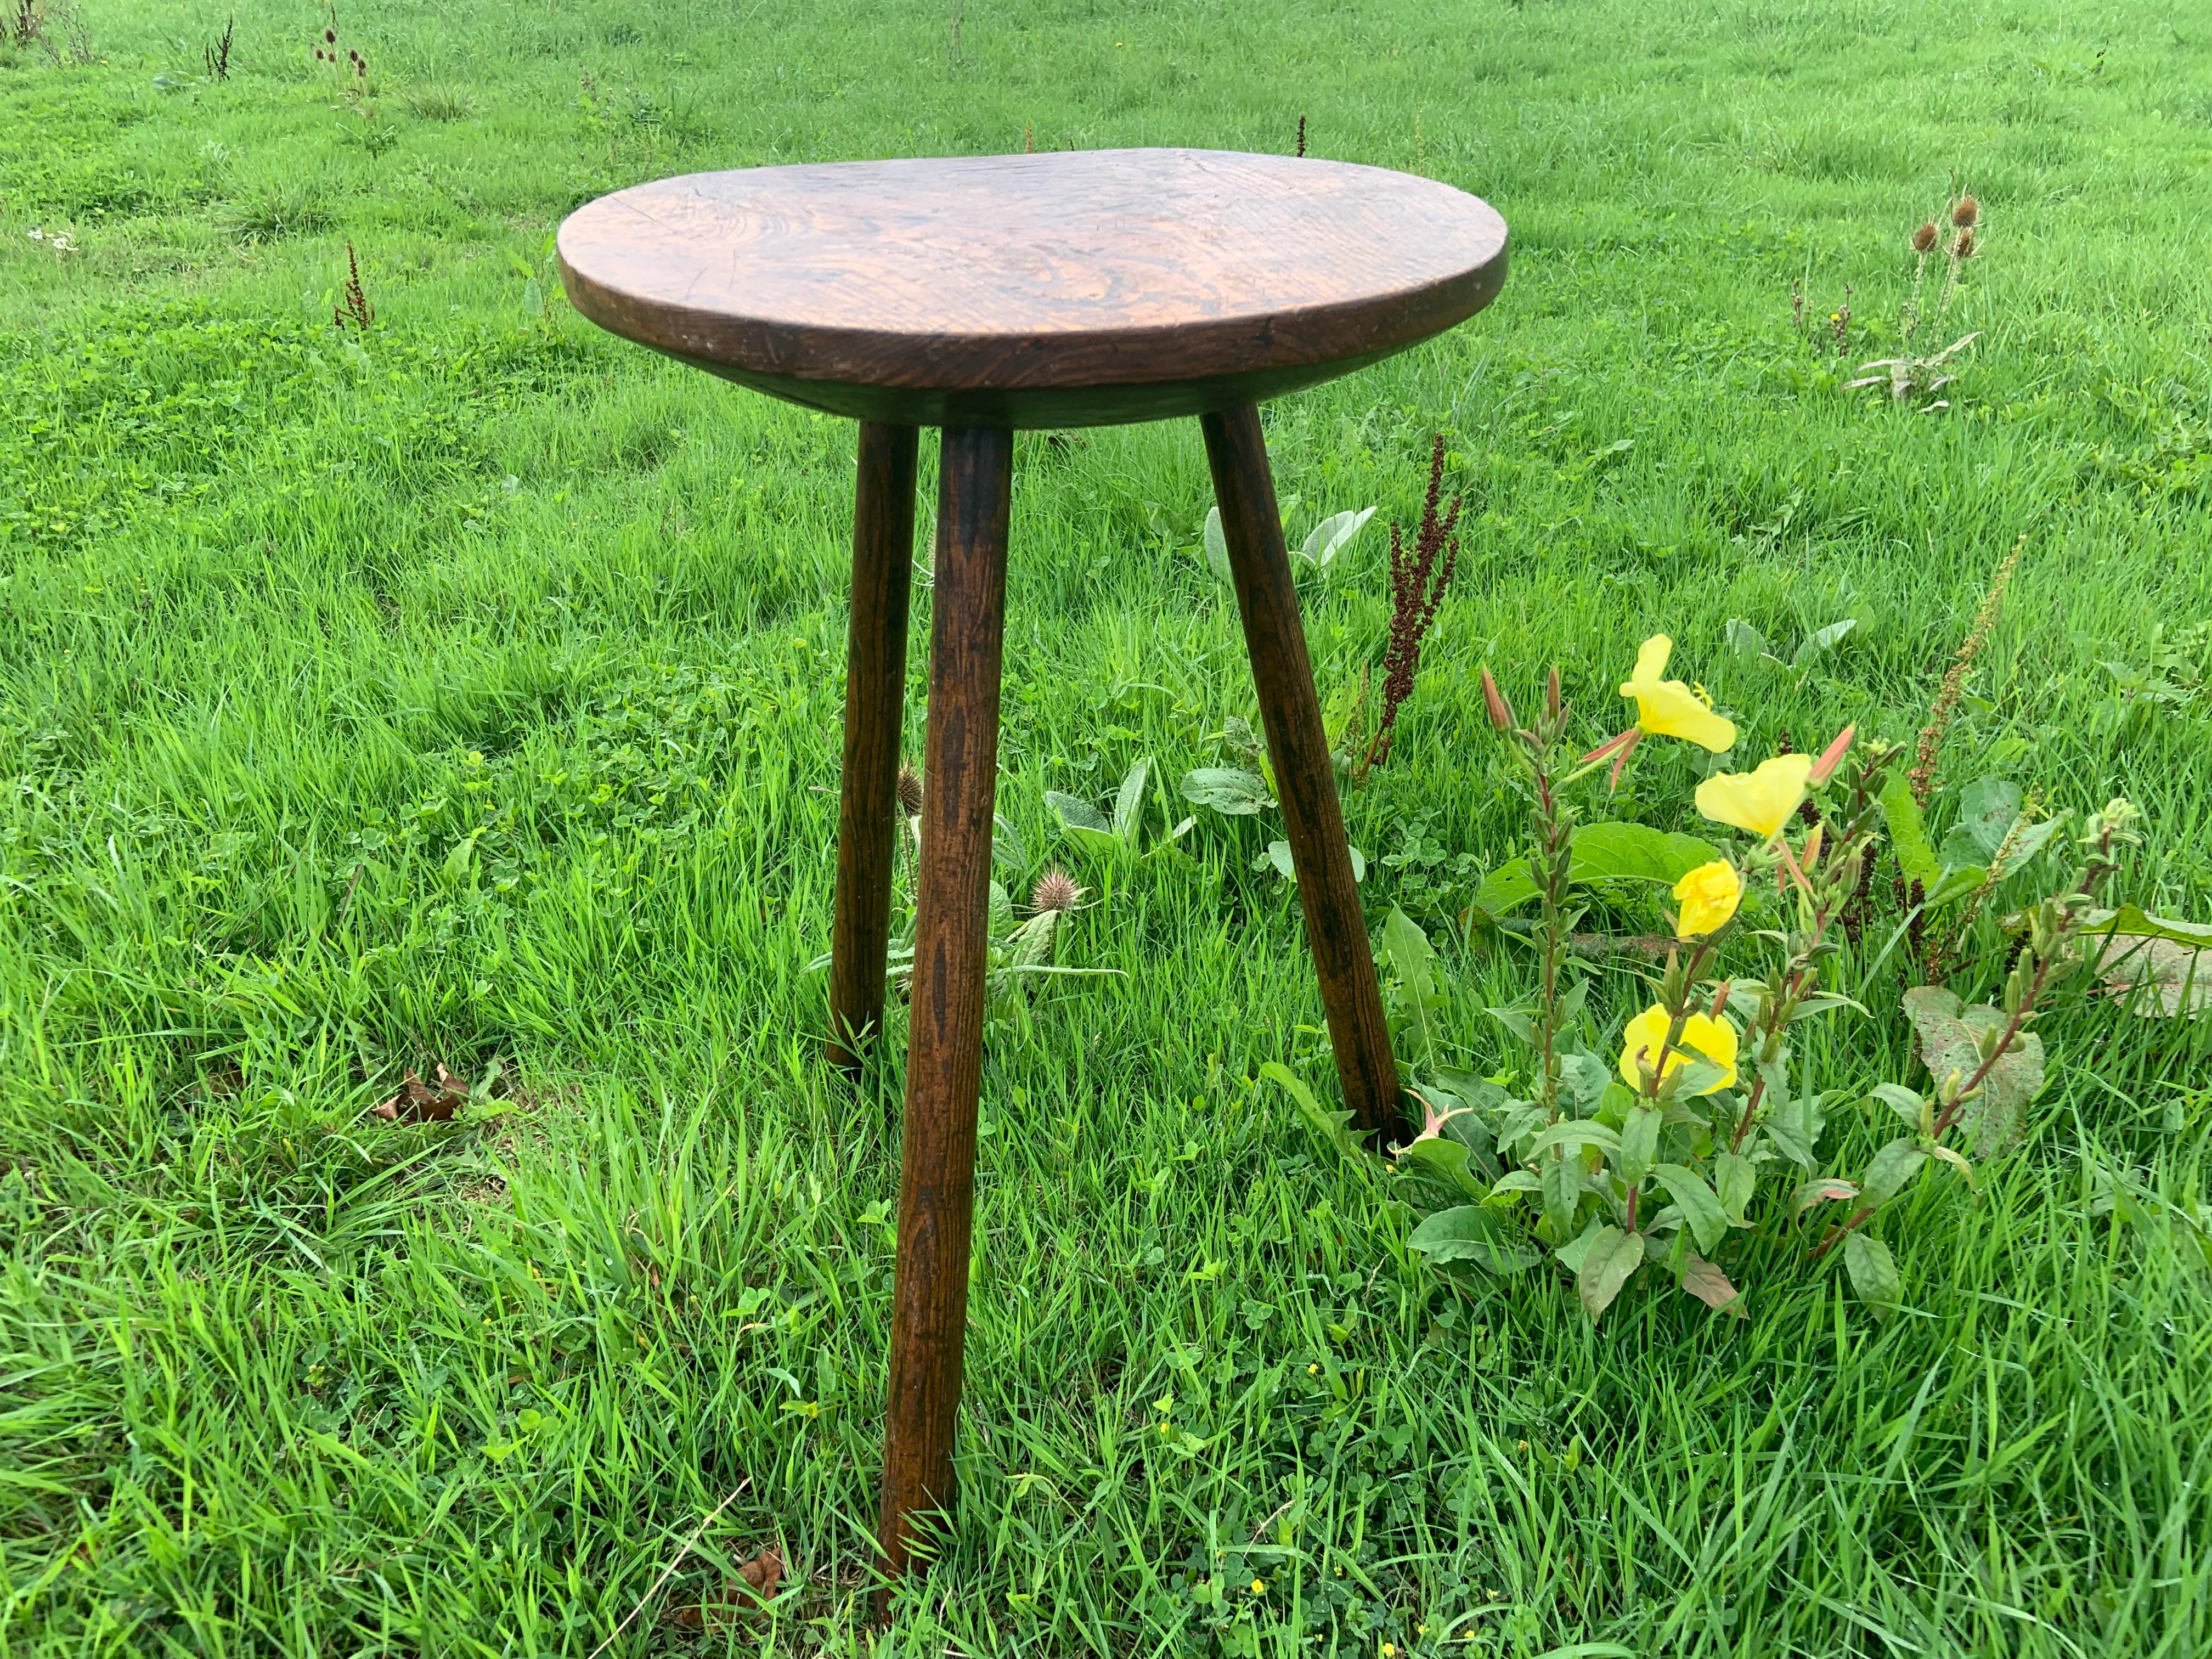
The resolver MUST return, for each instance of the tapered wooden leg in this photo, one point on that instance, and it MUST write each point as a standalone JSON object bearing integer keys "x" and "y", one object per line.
{"x": 875, "y": 688}
{"x": 1298, "y": 745}
{"x": 944, "y": 1054}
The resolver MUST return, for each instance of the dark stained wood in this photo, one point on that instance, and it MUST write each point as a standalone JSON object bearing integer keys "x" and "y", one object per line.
{"x": 945, "y": 1056}
{"x": 1068, "y": 289}
{"x": 1304, "y": 778}
{"x": 875, "y": 696}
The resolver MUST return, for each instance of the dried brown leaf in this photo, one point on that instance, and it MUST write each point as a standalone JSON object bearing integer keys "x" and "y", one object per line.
{"x": 418, "y": 1101}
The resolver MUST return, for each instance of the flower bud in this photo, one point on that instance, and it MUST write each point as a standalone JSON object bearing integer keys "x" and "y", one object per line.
{"x": 1551, "y": 692}
{"x": 1493, "y": 701}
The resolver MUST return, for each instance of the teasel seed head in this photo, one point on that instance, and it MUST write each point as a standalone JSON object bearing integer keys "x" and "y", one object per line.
{"x": 1924, "y": 238}
{"x": 1966, "y": 213}
{"x": 909, "y": 792}
{"x": 1962, "y": 245}
{"x": 1055, "y": 889}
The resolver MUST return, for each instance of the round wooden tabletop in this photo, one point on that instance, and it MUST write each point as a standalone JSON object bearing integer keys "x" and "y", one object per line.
{"x": 1077, "y": 289}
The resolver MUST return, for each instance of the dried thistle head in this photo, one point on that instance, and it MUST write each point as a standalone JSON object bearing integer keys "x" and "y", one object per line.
{"x": 909, "y": 792}
{"x": 1055, "y": 889}
{"x": 330, "y": 37}
{"x": 1924, "y": 238}
{"x": 1965, "y": 213}
{"x": 1962, "y": 245}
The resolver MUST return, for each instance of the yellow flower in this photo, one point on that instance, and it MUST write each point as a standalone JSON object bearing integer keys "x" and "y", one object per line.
{"x": 1713, "y": 1038}
{"x": 1259, "y": 1588}
{"x": 1760, "y": 801}
{"x": 1670, "y": 708}
{"x": 1708, "y": 895}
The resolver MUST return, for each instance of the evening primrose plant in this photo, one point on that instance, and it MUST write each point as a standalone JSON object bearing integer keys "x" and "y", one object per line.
{"x": 1652, "y": 1154}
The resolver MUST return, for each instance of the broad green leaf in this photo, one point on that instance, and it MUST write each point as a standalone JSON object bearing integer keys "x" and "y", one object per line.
{"x": 1074, "y": 814}
{"x": 1748, "y": 644}
{"x": 1903, "y": 1101}
{"x": 2132, "y": 921}
{"x": 1872, "y": 1272}
{"x": 1950, "y": 1041}
{"x": 1562, "y": 1180}
{"x": 1227, "y": 789}
{"x": 1412, "y": 961}
{"x": 1908, "y": 831}
{"x": 1217, "y": 547}
{"x": 1445, "y": 1161}
{"x": 1708, "y": 1222}
{"x": 1477, "y": 1234}
{"x": 1584, "y": 1079}
{"x": 1129, "y": 803}
{"x": 1737, "y": 1180}
{"x": 2031, "y": 840}
{"x": 1889, "y": 1171}
{"x": 1710, "y": 1286}
{"x": 1602, "y": 852}
{"x": 1820, "y": 643}
{"x": 1278, "y": 855}
{"x": 1094, "y": 841}
{"x": 1329, "y": 1126}
{"x": 1331, "y": 535}
{"x": 1987, "y": 807}
{"x": 1639, "y": 1145}
{"x": 1612, "y": 1256}
{"x": 1954, "y": 884}
{"x": 1575, "y": 1132}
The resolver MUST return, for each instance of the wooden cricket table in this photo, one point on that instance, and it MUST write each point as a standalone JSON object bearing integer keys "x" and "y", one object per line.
{"x": 983, "y": 296}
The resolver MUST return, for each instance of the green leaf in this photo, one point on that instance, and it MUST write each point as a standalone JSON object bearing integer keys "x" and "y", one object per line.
{"x": 1738, "y": 1179}
{"x": 1074, "y": 814}
{"x": 1227, "y": 789}
{"x": 1415, "y": 999}
{"x": 1639, "y": 1146}
{"x": 1950, "y": 1040}
{"x": 1708, "y": 1222}
{"x": 1217, "y": 547}
{"x": 1955, "y": 883}
{"x": 1329, "y": 1126}
{"x": 2132, "y": 921}
{"x": 1129, "y": 803}
{"x": 1908, "y": 831}
{"x": 1903, "y": 1101}
{"x": 1576, "y": 1132}
{"x": 1477, "y": 1234}
{"x": 1748, "y": 644}
{"x": 1612, "y": 1256}
{"x": 1331, "y": 535}
{"x": 1872, "y": 1272}
{"x": 1444, "y": 1161}
{"x": 1819, "y": 644}
{"x": 1584, "y": 1078}
{"x": 1563, "y": 1192}
{"x": 1987, "y": 807}
{"x": 1602, "y": 852}
{"x": 1890, "y": 1171}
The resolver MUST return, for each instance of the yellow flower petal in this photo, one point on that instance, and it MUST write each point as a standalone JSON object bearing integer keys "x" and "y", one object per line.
{"x": 1713, "y": 1038}
{"x": 1669, "y": 707}
{"x": 1760, "y": 801}
{"x": 1708, "y": 895}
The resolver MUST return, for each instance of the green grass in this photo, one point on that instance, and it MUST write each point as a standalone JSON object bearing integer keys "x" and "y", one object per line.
{"x": 471, "y": 691}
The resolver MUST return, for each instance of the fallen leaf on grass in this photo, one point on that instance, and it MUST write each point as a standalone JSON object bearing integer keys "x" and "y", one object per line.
{"x": 2160, "y": 978}
{"x": 418, "y": 1101}
{"x": 747, "y": 1594}
{"x": 1706, "y": 1282}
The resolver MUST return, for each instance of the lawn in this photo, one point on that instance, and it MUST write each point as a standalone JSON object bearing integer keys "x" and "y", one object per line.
{"x": 464, "y": 689}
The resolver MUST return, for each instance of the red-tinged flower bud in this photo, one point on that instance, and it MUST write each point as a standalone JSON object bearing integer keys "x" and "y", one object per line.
{"x": 1812, "y": 853}
{"x": 1493, "y": 701}
{"x": 1831, "y": 757}
{"x": 1551, "y": 692}
{"x": 1720, "y": 1000}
